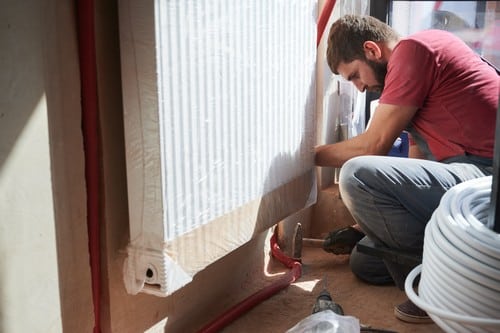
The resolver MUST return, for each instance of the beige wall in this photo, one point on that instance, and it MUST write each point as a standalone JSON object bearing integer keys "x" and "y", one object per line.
{"x": 44, "y": 272}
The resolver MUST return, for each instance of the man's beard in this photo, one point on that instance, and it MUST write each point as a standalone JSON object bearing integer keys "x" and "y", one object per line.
{"x": 380, "y": 71}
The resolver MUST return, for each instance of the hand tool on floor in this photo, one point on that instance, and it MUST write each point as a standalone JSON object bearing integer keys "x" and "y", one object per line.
{"x": 325, "y": 302}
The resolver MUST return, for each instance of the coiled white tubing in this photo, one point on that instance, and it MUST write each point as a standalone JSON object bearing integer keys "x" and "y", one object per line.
{"x": 460, "y": 272}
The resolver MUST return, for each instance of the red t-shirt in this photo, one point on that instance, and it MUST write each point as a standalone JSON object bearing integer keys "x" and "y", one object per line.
{"x": 456, "y": 93}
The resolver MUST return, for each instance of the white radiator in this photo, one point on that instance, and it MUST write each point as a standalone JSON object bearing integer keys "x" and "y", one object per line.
{"x": 219, "y": 100}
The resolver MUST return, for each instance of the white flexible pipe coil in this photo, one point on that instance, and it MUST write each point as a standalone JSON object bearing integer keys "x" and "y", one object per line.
{"x": 460, "y": 271}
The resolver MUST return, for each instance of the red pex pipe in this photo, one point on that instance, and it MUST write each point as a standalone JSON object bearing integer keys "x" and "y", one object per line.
{"x": 437, "y": 5}
{"x": 323, "y": 19}
{"x": 91, "y": 143}
{"x": 263, "y": 294}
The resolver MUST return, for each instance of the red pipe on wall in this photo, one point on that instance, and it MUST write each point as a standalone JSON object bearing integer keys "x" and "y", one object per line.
{"x": 323, "y": 18}
{"x": 437, "y": 5}
{"x": 91, "y": 142}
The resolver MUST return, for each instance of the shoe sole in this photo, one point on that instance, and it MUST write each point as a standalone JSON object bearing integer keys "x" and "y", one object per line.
{"x": 412, "y": 319}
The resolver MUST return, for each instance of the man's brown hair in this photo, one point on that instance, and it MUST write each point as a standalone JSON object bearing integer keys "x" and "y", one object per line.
{"x": 348, "y": 34}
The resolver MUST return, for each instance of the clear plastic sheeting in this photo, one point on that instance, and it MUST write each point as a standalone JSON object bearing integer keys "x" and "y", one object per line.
{"x": 219, "y": 100}
{"x": 235, "y": 82}
{"x": 327, "y": 322}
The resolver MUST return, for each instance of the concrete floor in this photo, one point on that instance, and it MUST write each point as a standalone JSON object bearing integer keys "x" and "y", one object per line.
{"x": 372, "y": 305}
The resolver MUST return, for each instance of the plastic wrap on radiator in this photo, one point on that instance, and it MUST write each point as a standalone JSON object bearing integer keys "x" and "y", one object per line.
{"x": 219, "y": 100}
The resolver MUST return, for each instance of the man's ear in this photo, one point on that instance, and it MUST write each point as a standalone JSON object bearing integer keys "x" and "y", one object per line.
{"x": 372, "y": 50}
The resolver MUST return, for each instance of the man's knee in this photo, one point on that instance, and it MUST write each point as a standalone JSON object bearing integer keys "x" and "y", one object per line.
{"x": 350, "y": 168}
{"x": 369, "y": 268}
{"x": 354, "y": 175}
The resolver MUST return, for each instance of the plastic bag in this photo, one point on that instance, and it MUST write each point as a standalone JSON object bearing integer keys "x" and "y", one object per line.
{"x": 326, "y": 321}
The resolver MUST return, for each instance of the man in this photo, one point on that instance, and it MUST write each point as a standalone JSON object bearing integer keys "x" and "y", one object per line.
{"x": 446, "y": 96}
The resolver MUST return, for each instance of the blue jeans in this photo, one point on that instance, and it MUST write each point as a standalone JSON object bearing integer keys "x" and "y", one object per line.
{"x": 392, "y": 199}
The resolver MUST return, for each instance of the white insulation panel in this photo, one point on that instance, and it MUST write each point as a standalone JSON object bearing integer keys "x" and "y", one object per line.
{"x": 219, "y": 100}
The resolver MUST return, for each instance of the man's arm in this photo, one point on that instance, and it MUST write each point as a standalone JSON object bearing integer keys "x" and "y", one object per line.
{"x": 385, "y": 126}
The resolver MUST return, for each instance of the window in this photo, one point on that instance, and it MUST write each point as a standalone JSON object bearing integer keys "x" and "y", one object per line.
{"x": 475, "y": 22}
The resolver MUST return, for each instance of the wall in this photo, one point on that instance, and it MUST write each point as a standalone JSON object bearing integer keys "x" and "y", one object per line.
{"x": 44, "y": 271}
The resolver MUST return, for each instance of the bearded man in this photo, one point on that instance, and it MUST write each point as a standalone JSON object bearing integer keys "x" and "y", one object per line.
{"x": 446, "y": 96}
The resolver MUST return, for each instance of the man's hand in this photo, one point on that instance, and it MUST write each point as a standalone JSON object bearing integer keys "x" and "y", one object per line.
{"x": 386, "y": 125}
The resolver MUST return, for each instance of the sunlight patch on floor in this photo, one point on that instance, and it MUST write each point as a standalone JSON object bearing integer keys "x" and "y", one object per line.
{"x": 307, "y": 285}
{"x": 159, "y": 327}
